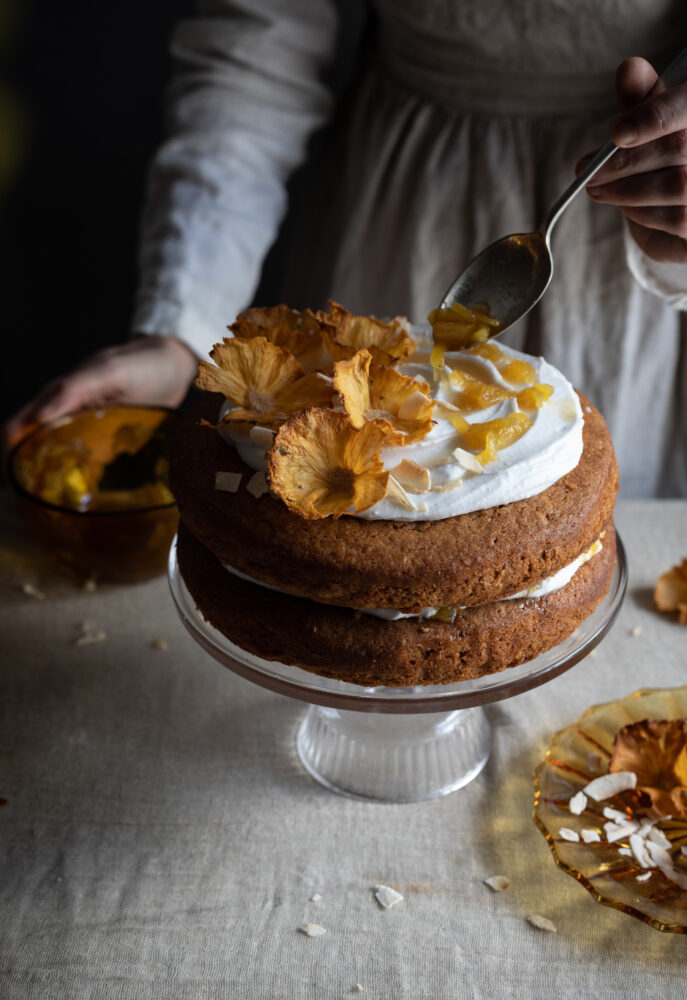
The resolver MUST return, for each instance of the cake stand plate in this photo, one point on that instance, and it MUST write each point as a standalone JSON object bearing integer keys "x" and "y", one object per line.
{"x": 396, "y": 744}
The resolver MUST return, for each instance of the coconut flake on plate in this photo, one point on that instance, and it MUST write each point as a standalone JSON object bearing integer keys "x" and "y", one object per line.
{"x": 608, "y": 785}
{"x": 638, "y": 848}
{"x": 578, "y": 803}
{"x": 567, "y": 834}
{"x": 620, "y": 831}
{"x": 590, "y": 836}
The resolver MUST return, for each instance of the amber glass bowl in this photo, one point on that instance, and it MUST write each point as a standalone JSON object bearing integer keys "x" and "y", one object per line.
{"x": 123, "y": 529}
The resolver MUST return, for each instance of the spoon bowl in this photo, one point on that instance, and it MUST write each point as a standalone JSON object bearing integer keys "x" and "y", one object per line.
{"x": 506, "y": 279}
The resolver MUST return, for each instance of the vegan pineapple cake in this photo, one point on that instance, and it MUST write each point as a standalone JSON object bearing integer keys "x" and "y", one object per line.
{"x": 391, "y": 505}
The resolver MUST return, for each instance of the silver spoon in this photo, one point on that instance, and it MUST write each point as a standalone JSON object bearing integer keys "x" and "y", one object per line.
{"x": 512, "y": 274}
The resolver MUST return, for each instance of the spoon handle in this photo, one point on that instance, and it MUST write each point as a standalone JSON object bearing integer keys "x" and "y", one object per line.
{"x": 675, "y": 73}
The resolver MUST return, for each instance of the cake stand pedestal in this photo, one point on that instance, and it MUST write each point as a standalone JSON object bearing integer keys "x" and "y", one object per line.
{"x": 397, "y": 744}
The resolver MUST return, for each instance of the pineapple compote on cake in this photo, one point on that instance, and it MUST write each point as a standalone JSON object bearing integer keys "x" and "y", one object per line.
{"x": 416, "y": 510}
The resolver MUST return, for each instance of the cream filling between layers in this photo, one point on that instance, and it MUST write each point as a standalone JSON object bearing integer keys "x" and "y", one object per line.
{"x": 552, "y": 583}
{"x": 546, "y": 452}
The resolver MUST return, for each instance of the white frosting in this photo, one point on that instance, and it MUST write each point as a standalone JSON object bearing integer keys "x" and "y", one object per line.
{"x": 547, "y": 586}
{"x": 548, "y": 450}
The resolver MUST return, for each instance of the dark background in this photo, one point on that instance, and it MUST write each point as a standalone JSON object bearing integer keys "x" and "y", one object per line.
{"x": 81, "y": 112}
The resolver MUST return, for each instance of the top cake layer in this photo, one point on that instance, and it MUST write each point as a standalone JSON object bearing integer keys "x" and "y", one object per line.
{"x": 466, "y": 560}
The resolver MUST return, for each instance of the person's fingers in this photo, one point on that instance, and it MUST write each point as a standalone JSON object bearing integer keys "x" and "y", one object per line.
{"x": 671, "y": 151}
{"x": 634, "y": 79}
{"x": 655, "y": 117}
{"x": 656, "y": 188}
{"x": 658, "y": 245}
{"x": 671, "y": 219}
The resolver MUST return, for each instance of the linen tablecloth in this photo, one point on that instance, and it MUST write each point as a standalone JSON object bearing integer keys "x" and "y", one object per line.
{"x": 161, "y": 841}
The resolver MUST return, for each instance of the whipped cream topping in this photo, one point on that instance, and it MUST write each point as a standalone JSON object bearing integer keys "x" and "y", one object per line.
{"x": 546, "y": 452}
{"x": 547, "y": 586}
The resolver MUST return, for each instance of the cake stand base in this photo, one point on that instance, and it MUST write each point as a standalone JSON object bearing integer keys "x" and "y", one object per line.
{"x": 393, "y": 758}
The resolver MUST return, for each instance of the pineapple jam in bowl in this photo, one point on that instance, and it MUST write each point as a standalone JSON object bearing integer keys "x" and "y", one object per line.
{"x": 93, "y": 487}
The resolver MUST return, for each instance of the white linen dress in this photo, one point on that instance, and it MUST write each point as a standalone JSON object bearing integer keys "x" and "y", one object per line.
{"x": 463, "y": 122}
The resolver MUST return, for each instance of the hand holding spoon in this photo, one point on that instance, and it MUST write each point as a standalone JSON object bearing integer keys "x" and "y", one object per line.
{"x": 510, "y": 276}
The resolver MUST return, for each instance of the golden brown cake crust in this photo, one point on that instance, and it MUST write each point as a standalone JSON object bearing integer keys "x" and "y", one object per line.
{"x": 468, "y": 560}
{"x": 359, "y": 648}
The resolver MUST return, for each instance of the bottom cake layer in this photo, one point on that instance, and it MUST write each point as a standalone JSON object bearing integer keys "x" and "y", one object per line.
{"x": 356, "y": 647}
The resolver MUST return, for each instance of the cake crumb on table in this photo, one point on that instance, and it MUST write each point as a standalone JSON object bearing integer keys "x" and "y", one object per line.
{"x": 159, "y": 643}
{"x": 316, "y": 898}
{"x": 32, "y": 591}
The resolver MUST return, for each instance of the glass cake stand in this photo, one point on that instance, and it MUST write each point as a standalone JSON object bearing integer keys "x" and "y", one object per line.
{"x": 396, "y": 744}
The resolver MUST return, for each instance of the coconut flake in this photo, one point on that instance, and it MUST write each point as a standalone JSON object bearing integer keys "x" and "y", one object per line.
{"x": 386, "y": 896}
{"x": 541, "y": 923}
{"x": 608, "y": 785}
{"x": 411, "y": 476}
{"x": 567, "y": 834}
{"x": 413, "y": 406}
{"x": 468, "y": 461}
{"x": 590, "y": 836}
{"x": 626, "y": 851}
{"x": 620, "y": 831}
{"x": 638, "y": 848}
{"x": 312, "y": 930}
{"x": 262, "y": 436}
{"x": 663, "y": 860}
{"x": 659, "y": 837}
{"x": 396, "y": 492}
{"x": 578, "y": 803}
{"x": 227, "y": 482}
{"x": 257, "y": 485}
{"x": 317, "y": 898}
{"x": 615, "y": 814}
{"x": 498, "y": 883}
{"x": 644, "y": 877}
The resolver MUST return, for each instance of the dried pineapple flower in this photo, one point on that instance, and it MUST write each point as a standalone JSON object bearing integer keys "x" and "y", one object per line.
{"x": 344, "y": 334}
{"x": 320, "y": 465}
{"x": 657, "y": 753}
{"x": 671, "y": 591}
{"x": 265, "y": 382}
{"x": 398, "y": 404}
{"x": 298, "y": 332}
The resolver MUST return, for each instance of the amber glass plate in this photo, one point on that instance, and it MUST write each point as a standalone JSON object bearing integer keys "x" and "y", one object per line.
{"x": 580, "y": 753}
